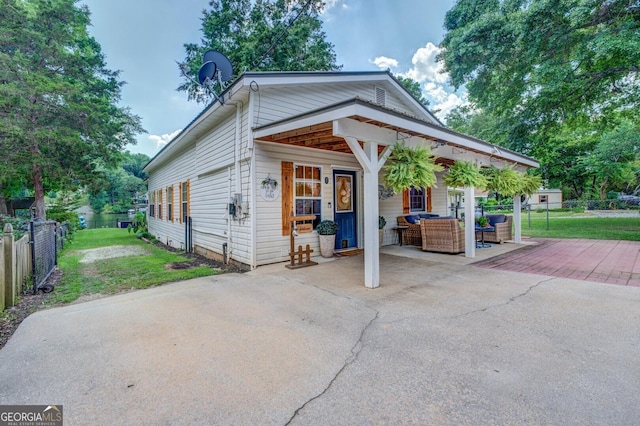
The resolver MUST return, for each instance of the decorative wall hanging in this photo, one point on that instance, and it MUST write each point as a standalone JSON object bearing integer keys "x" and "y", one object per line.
{"x": 269, "y": 190}
{"x": 344, "y": 196}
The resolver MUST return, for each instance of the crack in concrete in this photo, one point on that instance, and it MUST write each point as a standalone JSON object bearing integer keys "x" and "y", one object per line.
{"x": 355, "y": 351}
{"x": 512, "y": 299}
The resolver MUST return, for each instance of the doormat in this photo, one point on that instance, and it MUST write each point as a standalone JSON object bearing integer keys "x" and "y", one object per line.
{"x": 353, "y": 252}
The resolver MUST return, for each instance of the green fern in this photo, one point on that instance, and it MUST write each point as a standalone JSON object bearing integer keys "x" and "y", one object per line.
{"x": 465, "y": 174}
{"x": 410, "y": 166}
{"x": 505, "y": 181}
{"x": 530, "y": 184}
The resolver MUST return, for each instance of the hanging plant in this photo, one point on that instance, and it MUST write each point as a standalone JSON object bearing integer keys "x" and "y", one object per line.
{"x": 465, "y": 174}
{"x": 410, "y": 166}
{"x": 530, "y": 184}
{"x": 505, "y": 181}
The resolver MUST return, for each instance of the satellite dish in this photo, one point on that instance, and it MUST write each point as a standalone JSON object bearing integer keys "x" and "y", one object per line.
{"x": 207, "y": 71}
{"x": 222, "y": 63}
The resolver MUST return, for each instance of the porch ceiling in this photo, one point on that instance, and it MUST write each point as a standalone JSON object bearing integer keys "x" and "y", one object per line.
{"x": 316, "y": 130}
{"x": 321, "y": 135}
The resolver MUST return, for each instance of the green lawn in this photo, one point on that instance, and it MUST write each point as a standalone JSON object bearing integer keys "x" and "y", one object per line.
{"x": 582, "y": 227}
{"x": 112, "y": 275}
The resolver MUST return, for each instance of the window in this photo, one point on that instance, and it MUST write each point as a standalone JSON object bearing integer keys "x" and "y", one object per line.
{"x": 159, "y": 203}
{"x": 417, "y": 199}
{"x": 170, "y": 203}
{"x": 308, "y": 195}
{"x": 152, "y": 204}
{"x": 184, "y": 203}
{"x": 543, "y": 199}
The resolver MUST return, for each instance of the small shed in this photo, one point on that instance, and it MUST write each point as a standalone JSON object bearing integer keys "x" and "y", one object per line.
{"x": 546, "y": 198}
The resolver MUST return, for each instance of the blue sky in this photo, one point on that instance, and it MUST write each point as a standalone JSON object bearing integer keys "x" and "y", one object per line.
{"x": 144, "y": 38}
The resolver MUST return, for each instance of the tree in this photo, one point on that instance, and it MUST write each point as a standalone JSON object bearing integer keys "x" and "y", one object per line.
{"x": 546, "y": 78}
{"x": 117, "y": 191}
{"x": 414, "y": 88}
{"x": 614, "y": 161}
{"x": 265, "y": 35}
{"x": 134, "y": 163}
{"x": 545, "y": 61}
{"x": 58, "y": 112}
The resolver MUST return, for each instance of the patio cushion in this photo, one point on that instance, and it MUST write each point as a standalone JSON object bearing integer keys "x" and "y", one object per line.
{"x": 413, "y": 219}
{"x": 501, "y": 232}
{"x": 496, "y": 218}
{"x": 427, "y": 215}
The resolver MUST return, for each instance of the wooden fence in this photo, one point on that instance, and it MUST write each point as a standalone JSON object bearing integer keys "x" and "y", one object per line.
{"x": 15, "y": 266}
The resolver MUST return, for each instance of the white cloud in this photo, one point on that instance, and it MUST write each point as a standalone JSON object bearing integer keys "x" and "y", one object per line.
{"x": 425, "y": 66}
{"x": 427, "y": 71}
{"x": 162, "y": 140}
{"x": 333, "y": 4}
{"x": 385, "y": 63}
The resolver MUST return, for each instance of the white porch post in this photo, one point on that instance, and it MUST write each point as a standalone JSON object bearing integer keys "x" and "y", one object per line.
{"x": 371, "y": 235}
{"x": 368, "y": 158}
{"x": 352, "y": 132}
{"x": 469, "y": 222}
{"x": 517, "y": 219}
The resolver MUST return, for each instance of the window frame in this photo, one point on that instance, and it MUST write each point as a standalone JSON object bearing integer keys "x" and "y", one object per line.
{"x": 184, "y": 201}
{"x": 304, "y": 181}
{"x": 152, "y": 204}
{"x": 422, "y": 197}
{"x": 170, "y": 203}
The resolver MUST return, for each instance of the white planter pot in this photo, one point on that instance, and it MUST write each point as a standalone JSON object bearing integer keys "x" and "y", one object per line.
{"x": 380, "y": 236}
{"x": 327, "y": 243}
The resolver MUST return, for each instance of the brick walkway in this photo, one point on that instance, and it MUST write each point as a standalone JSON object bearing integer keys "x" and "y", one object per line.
{"x": 612, "y": 262}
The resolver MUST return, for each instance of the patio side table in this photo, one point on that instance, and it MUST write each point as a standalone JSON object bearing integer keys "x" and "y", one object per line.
{"x": 481, "y": 243}
{"x": 400, "y": 230}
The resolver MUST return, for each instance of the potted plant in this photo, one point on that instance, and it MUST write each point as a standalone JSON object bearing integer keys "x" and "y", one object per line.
{"x": 327, "y": 230}
{"x": 482, "y": 222}
{"x": 381, "y": 224}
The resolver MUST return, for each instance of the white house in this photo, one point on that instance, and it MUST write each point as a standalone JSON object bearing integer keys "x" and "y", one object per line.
{"x": 286, "y": 143}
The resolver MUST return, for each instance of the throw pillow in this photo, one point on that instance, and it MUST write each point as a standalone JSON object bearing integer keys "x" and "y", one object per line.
{"x": 496, "y": 218}
{"x": 413, "y": 219}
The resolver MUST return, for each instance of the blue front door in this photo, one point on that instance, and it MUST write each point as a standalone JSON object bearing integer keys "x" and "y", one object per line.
{"x": 344, "y": 185}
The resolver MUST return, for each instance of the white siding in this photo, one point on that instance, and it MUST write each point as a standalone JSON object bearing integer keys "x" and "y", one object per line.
{"x": 277, "y": 103}
{"x": 179, "y": 170}
{"x": 209, "y": 164}
{"x": 271, "y": 245}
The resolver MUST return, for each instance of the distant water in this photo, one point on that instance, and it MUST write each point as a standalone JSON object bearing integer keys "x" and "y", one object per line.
{"x": 105, "y": 220}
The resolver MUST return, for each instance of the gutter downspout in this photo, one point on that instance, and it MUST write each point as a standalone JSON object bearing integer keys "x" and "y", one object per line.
{"x": 253, "y": 231}
{"x": 228, "y": 243}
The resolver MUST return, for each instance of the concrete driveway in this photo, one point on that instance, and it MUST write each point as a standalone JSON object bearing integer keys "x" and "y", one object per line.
{"x": 437, "y": 343}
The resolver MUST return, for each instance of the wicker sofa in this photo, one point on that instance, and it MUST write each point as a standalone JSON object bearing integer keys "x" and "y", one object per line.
{"x": 442, "y": 235}
{"x": 413, "y": 235}
{"x": 502, "y": 225}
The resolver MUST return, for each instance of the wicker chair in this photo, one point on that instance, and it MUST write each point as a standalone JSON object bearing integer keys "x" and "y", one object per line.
{"x": 412, "y": 235}
{"x": 442, "y": 235}
{"x": 501, "y": 233}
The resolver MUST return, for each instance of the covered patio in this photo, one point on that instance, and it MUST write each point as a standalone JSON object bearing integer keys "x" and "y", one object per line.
{"x": 369, "y": 131}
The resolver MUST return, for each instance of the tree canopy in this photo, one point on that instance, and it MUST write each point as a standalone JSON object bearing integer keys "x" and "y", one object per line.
{"x": 547, "y": 78}
{"x": 260, "y": 35}
{"x": 59, "y": 116}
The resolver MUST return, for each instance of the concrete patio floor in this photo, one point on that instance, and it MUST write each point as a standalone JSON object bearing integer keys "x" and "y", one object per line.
{"x": 441, "y": 342}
